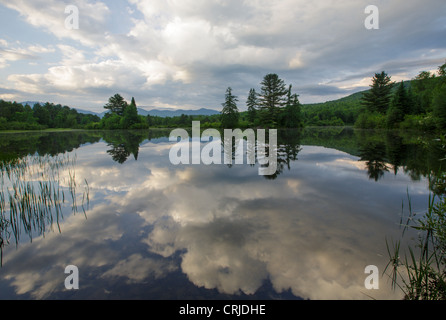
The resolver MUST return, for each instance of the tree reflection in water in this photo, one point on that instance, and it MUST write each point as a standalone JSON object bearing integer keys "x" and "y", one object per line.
{"x": 33, "y": 206}
{"x": 374, "y": 155}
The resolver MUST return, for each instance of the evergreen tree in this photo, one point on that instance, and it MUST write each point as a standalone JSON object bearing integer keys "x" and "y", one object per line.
{"x": 292, "y": 117}
{"x": 283, "y": 115}
{"x": 402, "y": 99}
{"x": 400, "y": 106}
{"x": 272, "y": 99}
{"x": 414, "y": 106}
{"x": 394, "y": 117}
{"x": 229, "y": 114}
{"x": 116, "y": 104}
{"x": 252, "y": 105}
{"x": 439, "y": 107}
{"x": 423, "y": 85}
{"x": 183, "y": 120}
{"x": 442, "y": 70}
{"x": 130, "y": 116}
{"x": 377, "y": 99}
{"x": 41, "y": 114}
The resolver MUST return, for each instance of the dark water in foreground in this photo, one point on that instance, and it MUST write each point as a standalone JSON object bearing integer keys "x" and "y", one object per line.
{"x": 138, "y": 227}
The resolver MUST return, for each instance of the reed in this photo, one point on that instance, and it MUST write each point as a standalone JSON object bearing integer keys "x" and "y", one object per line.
{"x": 32, "y": 196}
{"x": 420, "y": 271}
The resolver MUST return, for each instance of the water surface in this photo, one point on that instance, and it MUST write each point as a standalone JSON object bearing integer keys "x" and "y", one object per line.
{"x": 138, "y": 227}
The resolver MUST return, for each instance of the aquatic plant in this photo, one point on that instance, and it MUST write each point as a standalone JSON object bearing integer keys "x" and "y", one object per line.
{"x": 32, "y": 195}
{"x": 420, "y": 272}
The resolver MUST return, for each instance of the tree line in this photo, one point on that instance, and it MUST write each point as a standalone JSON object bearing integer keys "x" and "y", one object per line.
{"x": 15, "y": 116}
{"x": 418, "y": 104}
{"x": 123, "y": 115}
{"x": 342, "y": 112}
{"x": 276, "y": 106}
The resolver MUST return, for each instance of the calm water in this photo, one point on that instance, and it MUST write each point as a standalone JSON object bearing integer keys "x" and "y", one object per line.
{"x": 138, "y": 227}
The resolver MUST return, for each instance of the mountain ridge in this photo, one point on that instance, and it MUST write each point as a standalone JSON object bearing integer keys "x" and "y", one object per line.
{"x": 159, "y": 112}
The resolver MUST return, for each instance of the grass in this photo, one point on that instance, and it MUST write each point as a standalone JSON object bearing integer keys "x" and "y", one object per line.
{"x": 420, "y": 272}
{"x": 32, "y": 195}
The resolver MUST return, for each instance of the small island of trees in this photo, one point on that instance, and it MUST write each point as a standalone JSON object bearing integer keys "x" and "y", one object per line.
{"x": 275, "y": 107}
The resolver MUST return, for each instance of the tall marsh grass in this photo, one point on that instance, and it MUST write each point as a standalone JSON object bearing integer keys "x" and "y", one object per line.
{"x": 420, "y": 270}
{"x": 33, "y": 194}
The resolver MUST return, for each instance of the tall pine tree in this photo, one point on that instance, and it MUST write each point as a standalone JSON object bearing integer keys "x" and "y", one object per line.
{"x": 378, "y": 98}
{"x": 252, "y": 104}
{"x": 273, "y": 97}
{"x": 229, "y": 114}
{"x": 442, "y": 70}
{"x": 130, "y": 116}
{"x": 292, "y": 117}
{"x": 439, "y": 106}
{"x": 402, "y": 104}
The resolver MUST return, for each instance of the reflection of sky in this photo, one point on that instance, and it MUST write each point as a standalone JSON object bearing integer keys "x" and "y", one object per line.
{"x": 312, "y": 230}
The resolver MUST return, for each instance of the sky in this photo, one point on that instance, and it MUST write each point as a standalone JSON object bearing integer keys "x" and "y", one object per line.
{"x": 184, "y": 54}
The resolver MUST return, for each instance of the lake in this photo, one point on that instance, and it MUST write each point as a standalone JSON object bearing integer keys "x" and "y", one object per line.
{"x": 138, "y": 227}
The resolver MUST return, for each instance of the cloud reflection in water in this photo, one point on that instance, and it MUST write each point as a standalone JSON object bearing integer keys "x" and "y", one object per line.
{"x": 312, "y": 230}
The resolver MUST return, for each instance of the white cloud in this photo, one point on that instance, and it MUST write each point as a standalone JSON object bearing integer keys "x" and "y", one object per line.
{"x": 51, "y": 16}
{"x": 298, "y": 231}
{"x": 16, "y": 52}
{"x": 136, "y": 268}
{"x": 164, "y": 46}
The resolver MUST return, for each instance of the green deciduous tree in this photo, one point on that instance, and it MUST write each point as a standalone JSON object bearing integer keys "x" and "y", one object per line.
{"x": 111, "y": 121}
{"x": 116, "y": 104}
{"x": 41, "y": 114}
{"x": 423, "y": 85}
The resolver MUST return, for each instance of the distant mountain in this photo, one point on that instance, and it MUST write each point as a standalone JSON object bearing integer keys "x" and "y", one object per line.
{"x": 31, "y": 103}
{"x": 163, "y": 112}
{"x": 89, "y": 112}
{"x": 159, "y": 112}
{"x": 177, "y": 112}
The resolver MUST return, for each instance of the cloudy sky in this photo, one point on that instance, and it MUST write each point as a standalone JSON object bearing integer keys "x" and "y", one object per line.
{"x": 185, "y": 53}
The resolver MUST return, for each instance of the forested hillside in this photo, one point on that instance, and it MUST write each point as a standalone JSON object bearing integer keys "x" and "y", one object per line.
{"x": 344, "y": 111}
{"x": 418, "y": 104}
